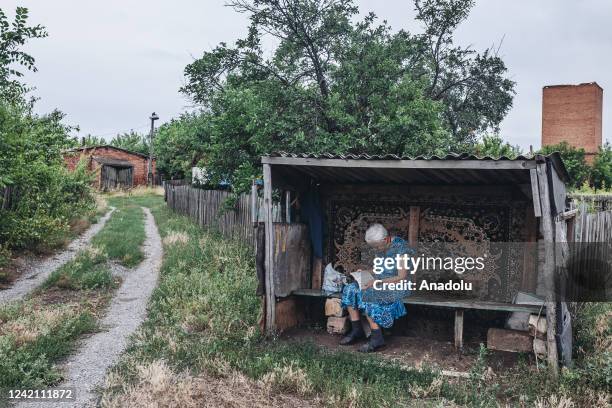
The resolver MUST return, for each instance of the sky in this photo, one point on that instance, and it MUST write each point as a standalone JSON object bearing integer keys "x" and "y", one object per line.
{"x": 108, "y": 64}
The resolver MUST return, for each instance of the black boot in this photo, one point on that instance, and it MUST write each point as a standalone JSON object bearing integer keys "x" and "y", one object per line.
{"x": 355, "y": 334}
{"x": 376, "y": 341}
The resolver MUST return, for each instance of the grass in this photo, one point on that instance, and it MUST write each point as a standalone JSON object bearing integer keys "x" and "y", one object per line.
{"x": 203, "y": 323}
{"x": 88, "y": 270}
{"x": 204, "y": 314}
{"x": 122, "y": 237}
{"x": 33, "y": 335}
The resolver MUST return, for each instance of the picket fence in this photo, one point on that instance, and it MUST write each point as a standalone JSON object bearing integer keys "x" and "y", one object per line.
{"x": 210, "y": 208}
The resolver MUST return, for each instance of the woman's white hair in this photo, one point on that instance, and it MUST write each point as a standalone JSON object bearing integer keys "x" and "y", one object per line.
{"x": 376, "y": 233}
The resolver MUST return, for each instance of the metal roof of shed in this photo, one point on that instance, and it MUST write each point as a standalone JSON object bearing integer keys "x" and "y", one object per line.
{"x": 112, "y": 162}
{"x": 453, "y": 168}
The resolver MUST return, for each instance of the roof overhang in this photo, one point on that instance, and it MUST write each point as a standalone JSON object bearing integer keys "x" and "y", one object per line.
{"x": 448, "y": 170}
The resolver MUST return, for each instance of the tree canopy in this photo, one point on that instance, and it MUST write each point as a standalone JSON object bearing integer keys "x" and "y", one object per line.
{"x": 337, "y": 83}
{"x": 13, "y": 36}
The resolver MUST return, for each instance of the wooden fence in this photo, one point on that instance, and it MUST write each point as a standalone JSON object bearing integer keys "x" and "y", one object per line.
{"x": 209, "y": 208}
{"x": 594, "y": 202}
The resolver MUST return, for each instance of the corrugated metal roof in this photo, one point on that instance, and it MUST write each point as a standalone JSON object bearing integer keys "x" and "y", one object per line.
{"x": 515, "y": 172}
{"x": 364, "y": 156}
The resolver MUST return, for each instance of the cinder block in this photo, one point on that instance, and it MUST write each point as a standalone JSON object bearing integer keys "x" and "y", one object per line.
{"x": 509, "y": 340}
{"x": 333, "y": 308}
{"x": 338, "y": 325}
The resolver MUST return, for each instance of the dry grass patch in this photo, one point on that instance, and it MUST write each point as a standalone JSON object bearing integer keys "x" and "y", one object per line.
{"x": 287, "y": 379}
{"x": 176, "y": 237}
{"x": 159, "y": 386}
{"x": 101, "y": 204}
{"x": 139, "y": 192}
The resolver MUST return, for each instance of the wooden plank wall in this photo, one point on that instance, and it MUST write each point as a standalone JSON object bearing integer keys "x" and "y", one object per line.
{"x": 206, "y": 207}
{"x": 590, "y": 228}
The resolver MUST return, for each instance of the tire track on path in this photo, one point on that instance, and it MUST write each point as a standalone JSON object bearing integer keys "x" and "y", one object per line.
{"x": 86, "y": 370}
{"x": 36, "y": 273}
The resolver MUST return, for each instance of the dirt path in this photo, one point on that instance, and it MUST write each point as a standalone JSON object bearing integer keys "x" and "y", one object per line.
{"x": 86, "y": 370}
{"x": 36, "y": 273}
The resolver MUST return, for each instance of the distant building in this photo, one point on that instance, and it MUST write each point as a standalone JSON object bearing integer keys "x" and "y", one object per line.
{"x": 114, "y": 167}
{"x": 573, "y": 113}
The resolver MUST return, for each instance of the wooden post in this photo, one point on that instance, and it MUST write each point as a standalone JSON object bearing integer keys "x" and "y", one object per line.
{"x": 270, "y": 323}
{"x": 548, "y": 270}
{"x": 254, "y": 212}
{"x": 535, "y": 193}
{"x": 288, "y": 206}
{"x": 413, "y": 227}
{"x": 459, "y": 329}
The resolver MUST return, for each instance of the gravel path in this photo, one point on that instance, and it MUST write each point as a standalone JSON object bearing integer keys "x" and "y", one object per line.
{"x": 36, "y": 272}
{"x": 86, "y": 370}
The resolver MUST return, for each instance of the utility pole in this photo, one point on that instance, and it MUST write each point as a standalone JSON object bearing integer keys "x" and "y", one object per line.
{"x": 153, "y": 118}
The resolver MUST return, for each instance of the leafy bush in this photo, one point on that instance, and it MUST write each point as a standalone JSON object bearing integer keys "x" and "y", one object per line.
{"x": 601, "y": 175}
{"x": 42, "y": 195}
{"x": 574, "y": 160}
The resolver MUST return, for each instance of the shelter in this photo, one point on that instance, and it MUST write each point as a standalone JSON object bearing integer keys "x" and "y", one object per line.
{"x": 114, "y": 167}
{"x": 457, "y": 198}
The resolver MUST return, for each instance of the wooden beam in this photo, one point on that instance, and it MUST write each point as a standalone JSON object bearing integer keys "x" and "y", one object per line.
{"x": 288, "y": 206}
{"x": 413, "y": 227}
{"x": 535, "y": 193}
{"x": 459, "y": 329}
{"x": 546, "y": 227}
{"x": 529, "y": 281}
{"x": 451, "y": 304}
{"x": 270, "y": 322}
{"x": 566, "y": 215}
{"x": 405, "y": 164}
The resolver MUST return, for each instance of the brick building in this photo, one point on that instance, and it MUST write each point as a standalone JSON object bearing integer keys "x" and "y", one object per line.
{"x": 573, "y": 113}
{"x": 114, "y": 167}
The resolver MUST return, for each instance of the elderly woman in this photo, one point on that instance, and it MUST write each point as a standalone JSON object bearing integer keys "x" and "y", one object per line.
{"x": 380, "y": 307}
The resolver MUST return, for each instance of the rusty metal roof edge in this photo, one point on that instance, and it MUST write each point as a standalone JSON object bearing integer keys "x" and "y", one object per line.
{"x": 365, "y": 156}
{"x": 554, "y": 158}
{"x": 79, "y": 148}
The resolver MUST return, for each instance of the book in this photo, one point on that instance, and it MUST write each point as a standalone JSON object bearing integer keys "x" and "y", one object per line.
{"x": 362, "y": 278}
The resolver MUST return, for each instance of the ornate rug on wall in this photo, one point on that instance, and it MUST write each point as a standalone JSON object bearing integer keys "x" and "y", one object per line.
{"x": 473, "y": 225}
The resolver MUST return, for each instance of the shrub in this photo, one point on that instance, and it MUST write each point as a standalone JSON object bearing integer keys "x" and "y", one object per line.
{"x": 574, "y": 160}
{"x": 601, "y": 175}
{"x": 41, "y": 195}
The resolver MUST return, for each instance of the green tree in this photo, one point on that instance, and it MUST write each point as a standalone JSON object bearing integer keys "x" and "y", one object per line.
{"x": 92, "y": 140}
{"x": 494, "y": 146}
{"x": 601, "y": 174}
{"x": 132, "y": 141}
{"x": 182, "y": 144}
{"x": 38, "y": 196}
{"x": 13, "y": 36}
{"x": 574, "y": 160}
{"x": 339, "y": 85}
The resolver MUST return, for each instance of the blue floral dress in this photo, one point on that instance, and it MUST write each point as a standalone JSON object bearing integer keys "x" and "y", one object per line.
{"x": 383, "y": 307}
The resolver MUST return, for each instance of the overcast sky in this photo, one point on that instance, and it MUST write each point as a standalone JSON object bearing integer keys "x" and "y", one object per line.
{"x": 109, "y": 64}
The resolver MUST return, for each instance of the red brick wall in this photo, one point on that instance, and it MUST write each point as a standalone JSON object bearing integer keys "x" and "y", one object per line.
{"x": 140, "y": 163}
{"x": 573, "y": 113}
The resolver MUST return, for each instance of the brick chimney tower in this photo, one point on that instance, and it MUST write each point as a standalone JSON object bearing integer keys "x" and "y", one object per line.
{"x": 573, "y": 113}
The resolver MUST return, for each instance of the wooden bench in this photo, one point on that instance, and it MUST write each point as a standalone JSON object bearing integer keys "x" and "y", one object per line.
{"x": 460, "y": 305}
